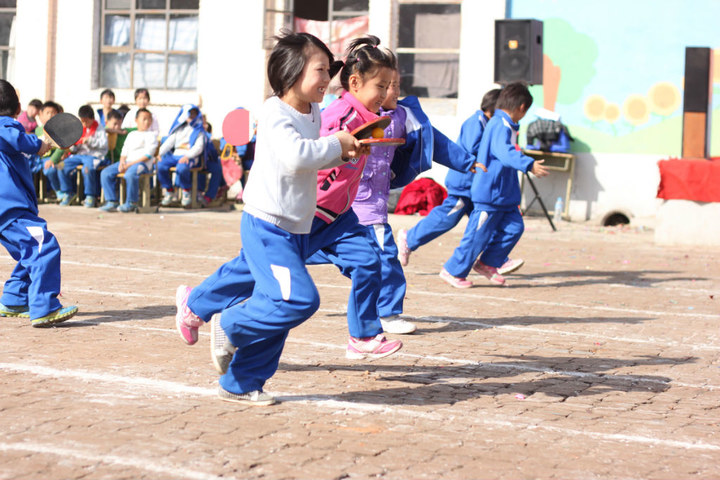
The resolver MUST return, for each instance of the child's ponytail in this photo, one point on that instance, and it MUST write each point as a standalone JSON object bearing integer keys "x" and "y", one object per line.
{"x": 364, "y": 57}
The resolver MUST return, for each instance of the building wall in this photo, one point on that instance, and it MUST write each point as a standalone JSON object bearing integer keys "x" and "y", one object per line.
{"x": 597, "y": 59}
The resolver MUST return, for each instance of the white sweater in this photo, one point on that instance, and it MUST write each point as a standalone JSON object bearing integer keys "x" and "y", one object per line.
{"x": 282, "y": 187}
{"x": 138, "y": 145}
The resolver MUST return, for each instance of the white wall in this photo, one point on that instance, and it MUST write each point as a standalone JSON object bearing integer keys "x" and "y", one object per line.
{"x": 30, "y": 49}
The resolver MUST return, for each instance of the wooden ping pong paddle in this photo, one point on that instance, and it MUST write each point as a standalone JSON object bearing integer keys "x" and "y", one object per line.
{"x": 382, "y": 142}
{"x": 236, "y": 127}
{"x": 64, "y": 129}
{"x": 365, "y": 130}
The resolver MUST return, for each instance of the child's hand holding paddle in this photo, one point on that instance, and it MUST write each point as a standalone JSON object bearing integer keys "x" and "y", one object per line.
{"x": 351, "y": 147}
{"x": 44, "y": 148}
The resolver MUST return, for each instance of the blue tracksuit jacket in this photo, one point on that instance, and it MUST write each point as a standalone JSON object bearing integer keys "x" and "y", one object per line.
{"x": 499, "y": 189}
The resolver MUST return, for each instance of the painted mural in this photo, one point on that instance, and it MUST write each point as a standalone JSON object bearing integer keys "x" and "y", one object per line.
{"x": 614, "y": 69}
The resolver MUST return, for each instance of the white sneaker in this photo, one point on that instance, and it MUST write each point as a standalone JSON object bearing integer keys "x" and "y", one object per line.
{"x": 397, "y": 325}
{"x": 511, "y": 265}
{"x": 168, "y": 198}
{"x": 186, "y": 199}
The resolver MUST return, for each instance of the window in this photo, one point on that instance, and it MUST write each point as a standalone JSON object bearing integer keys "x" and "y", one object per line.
{"x": 278, "y": 15}
{"x": 149, "y": 44}
{"x": 7, "y": 38}
{"x": 335, "y": 22}
{"x": 429, "y": 48}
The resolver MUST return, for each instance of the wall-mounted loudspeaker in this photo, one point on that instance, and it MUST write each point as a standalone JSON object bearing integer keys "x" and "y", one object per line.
{"x": 519, "y": 51}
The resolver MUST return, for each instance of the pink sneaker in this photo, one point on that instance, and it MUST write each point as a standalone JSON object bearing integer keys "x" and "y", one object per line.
{"x": 403, "y": 249}
{"x": 186, "y": 322}
{"x": 372, "y": 347}
{"x": 455, "y": 281}
{"x": 491, "y": 273}
{"x": 510, "y": 266}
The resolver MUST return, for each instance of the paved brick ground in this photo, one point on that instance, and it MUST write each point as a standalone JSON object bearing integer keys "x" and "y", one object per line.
{"x": 600, "y": 360}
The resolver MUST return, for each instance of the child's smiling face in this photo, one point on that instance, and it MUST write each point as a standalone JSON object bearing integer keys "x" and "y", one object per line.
{"x": 371, "y": 91}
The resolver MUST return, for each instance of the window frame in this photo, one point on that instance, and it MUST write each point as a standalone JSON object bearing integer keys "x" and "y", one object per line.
{"x": 10, "y": 47}
{"x": 415, "y": 51}
{"x": 130, "y": 49}
{"x": 289, "y": 12}
{"x": 270, "y": 8}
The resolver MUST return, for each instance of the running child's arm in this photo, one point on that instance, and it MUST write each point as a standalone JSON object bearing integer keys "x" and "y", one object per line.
{"x": 300, "y": 153}
{"x": 503, "y": 148}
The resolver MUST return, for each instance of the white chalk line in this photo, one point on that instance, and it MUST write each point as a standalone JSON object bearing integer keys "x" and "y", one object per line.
{"x": 80, "y": 452}
{"x": 434, "y": 294}
{"x": 175, "y": 388}
{"x": 437, "y": 294}
{"x": 513, "y": 328}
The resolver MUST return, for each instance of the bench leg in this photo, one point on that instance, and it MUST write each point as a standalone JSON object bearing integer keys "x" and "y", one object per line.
{"x": 193, "y": 191}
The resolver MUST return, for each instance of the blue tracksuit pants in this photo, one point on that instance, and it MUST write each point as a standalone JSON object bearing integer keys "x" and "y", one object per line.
{"x": 344, "y": 240}
{"x": 441, "y": 219}
{"x": 35, "y": 281}
{"x": 283, "y": 297}
{"x": 392, "y": 282}
{"x": 216, "y": 179}
{"x": 53, "y": 176}
{"x": 108, "y": 179}
{"x": 182, "y": 170}
{"x": 89, "y": 173}
{"x": 494, "y": 233}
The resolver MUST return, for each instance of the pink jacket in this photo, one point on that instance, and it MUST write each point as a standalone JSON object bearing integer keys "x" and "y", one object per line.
{"x": 337, "y": 187}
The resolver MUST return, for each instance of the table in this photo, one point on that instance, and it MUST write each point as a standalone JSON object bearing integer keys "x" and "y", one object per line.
{"x": 558, "y": 162}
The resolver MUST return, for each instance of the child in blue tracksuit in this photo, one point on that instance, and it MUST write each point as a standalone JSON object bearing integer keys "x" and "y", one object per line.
{"x": 183, "y": 148}
{"x": 280, "y": 202}
{"x": 32, "y": 290}
{"x": 495, "y": 224}
{"x": 457, "y": 204}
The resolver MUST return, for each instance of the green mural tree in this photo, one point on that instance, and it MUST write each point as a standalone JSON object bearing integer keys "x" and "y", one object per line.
{"x": 569, "y": 62}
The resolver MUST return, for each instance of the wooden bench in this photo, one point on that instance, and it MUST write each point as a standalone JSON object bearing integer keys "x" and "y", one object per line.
{"x": 194, "y": 188}
{"x": 145, "y": 198}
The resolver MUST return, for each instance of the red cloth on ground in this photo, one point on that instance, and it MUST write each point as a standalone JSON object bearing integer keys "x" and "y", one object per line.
{"x": 690, "y": 179}
{"x": 421, "y": 195}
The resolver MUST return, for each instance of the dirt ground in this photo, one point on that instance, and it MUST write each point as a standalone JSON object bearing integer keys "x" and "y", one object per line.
{"x": 599, "y": 360}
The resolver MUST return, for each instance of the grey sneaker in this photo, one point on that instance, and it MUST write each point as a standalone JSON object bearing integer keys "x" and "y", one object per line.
{"x": 221, "y": 349}
{"x": 397, "y": 325}
{"x": 255, "y": 398}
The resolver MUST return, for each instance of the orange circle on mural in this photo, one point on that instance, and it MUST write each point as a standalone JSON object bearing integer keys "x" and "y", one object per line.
{"x": 612, "y": 113}
{"x": 664, "y": 98}
{"x": 636, "y": 109}
{"x": 594, "y": 107}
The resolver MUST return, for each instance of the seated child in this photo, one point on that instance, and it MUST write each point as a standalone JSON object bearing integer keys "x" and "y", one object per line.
{"x": 136, "y": 158}
{"x": 107, "y": 99}
{"x": 183, "y": 149}
{"x": 27, "y": 117}
{"x": 142, "y": 100}
{"x": 89, "y": 152}
{"x": 49, "y": 161}
{"x": 34, "y": 285}
{"x": 212, "y": 164}
{"x": 115, "y": 134}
